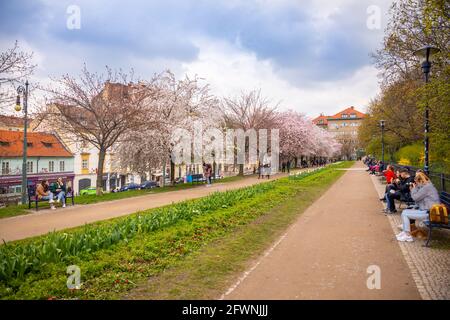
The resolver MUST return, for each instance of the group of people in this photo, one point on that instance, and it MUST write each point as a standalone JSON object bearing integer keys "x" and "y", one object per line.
{"x": 416, "y": 190}
{"x": 373, "y": 165}
{"x": 45, "y": 192}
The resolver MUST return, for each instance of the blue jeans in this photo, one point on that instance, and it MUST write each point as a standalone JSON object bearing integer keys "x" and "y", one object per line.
{"x": 415, "y": 214}
{"x": 61, "y": 197}
{"x": 48, "y": 197}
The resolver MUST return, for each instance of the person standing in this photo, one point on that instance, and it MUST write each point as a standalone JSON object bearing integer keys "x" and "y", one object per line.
{"x": 207, "y": 171}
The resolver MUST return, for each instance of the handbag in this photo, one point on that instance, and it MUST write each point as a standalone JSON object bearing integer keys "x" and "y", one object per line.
{"x": 439, "y": 214}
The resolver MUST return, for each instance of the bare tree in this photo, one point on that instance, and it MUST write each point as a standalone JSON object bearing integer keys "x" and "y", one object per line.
{"x": 95, "y": 108}
{"x": 249, "y": 111}
{"x": 15, "y": 65}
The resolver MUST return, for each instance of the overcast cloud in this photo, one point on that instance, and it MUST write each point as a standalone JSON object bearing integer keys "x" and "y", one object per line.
{"x": 314, "y": 56}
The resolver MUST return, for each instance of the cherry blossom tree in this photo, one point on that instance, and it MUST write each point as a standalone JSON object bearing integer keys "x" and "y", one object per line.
{"x": 300, "y": 137}
{"x": 174, "y": 104}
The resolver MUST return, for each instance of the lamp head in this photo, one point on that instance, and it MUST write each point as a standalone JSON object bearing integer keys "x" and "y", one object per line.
{"x": 382, "y": 122}
{"x": 426, "y": 53}
{"x": 18, "y": 106}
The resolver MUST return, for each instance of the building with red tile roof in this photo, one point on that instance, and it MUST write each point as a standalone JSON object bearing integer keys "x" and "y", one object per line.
{"x": 39, "y": 145}
{"x": 344, "y": 125}
{"x": 47, "y": 158}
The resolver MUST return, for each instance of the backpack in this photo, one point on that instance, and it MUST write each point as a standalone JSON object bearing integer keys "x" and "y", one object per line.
{"x": 439, "y": 214}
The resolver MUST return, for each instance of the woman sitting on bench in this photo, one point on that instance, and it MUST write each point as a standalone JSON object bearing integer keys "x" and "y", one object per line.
{"x": 425, "y": 196}
{"x": 43, "y": 193}
{"x": 61, "y": 192}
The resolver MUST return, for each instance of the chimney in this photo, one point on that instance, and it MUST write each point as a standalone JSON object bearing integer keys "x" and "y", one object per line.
{"x": 352, "y": 107}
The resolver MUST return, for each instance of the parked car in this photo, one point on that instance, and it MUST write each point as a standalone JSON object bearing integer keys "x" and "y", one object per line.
{"x": 88, "y": 191}
{"x": 130, "y": 186}
{"x": 149, "y": 185}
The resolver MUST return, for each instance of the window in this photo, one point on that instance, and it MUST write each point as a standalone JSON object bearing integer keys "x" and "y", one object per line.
{"x": 18, "y": 189}
{"x": 5, "y": 167}
{"x": 344, "y": 115}
{"x": 29, "y": 166}
{"x": 29, "y": 144}
{"x": 353, "y": 115}
{"x": 51, "y": 166}
{"x": 62, "y": 166}
{"x": 344, "y": 124}
{"x": 84, "y": 164}
{"x": 47, "y": 144}
{"x": 4, "y": 143}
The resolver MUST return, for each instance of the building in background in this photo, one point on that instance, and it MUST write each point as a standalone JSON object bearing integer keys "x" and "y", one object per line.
{"x": 12, "y": 123}
{"x": 344, "y": 126}
{"x": 47, "y": 158}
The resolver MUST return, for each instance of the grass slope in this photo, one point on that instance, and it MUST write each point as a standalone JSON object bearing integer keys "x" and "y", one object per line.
{"x": 195, "y": 257}
{"x": 11, "y": 211}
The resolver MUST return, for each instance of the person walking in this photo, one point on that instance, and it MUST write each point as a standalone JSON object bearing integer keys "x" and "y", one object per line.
{"x": 207, "y": 172}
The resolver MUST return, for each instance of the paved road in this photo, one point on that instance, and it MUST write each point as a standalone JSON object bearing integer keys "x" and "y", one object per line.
{"x": 326, "y": 252}
{"x": 44, "y": 221}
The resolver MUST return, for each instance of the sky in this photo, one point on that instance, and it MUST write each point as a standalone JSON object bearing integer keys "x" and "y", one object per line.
{"x": 311, "y": 56}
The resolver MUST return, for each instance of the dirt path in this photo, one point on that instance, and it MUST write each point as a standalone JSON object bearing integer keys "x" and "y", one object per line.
{"x": 326, "y": 252}
{"x": 44, "y": 221}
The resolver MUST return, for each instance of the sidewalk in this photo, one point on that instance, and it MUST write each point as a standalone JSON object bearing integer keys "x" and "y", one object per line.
{"x": 325, "y": 254}
{"x": 44, "y": 221}
{"x": 429, "y": 266}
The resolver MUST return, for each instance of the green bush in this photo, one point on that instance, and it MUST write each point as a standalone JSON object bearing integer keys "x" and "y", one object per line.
{"x": 410, "y": 155}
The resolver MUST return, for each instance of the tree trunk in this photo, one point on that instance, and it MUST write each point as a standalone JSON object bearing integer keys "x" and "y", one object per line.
{"x": 241, "y": 169}
{"x": 163, "y": 183}
{"x": 172, "y": 172}
{"x": 101, "y": 163}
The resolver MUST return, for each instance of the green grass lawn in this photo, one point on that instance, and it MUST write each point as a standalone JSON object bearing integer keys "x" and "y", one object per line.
{"x": 11, "y": 211}
{"x": 198, "y": 244}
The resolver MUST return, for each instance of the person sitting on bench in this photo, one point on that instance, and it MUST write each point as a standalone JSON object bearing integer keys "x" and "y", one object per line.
{"x": 389, "y": 174}
{"x": 61, "y": 192}
{"x": 425, "y": 196}
{"x": 43, "y": 193}
{"x": 401, "y": 191}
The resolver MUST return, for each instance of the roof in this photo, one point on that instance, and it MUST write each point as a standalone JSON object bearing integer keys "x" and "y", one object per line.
{"x": 42, "y": 145}
{"x": 321, "y": 117}
{"x": 349, "y": 111}
{"x": 12, "y": 121}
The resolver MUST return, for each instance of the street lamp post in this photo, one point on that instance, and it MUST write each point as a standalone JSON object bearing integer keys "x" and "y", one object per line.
{"x": 426, "y": 54}
{"x": 24, "y": 91}
{"x": 382, "y": 122}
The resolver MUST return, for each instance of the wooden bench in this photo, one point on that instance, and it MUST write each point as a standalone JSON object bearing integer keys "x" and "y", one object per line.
{"x": 32, "y": 197}
{"x": 445, "y": 199}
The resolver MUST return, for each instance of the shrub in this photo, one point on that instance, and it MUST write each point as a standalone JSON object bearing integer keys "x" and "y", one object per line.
{"x": 410, "y": 155}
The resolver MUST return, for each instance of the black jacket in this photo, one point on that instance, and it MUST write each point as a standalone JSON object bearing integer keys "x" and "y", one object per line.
{"x": 405, "y": 190}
